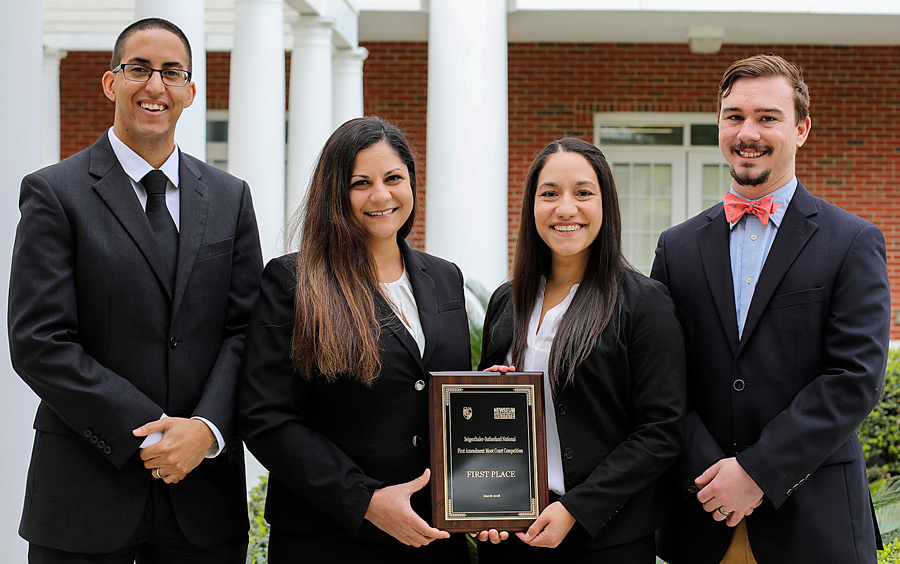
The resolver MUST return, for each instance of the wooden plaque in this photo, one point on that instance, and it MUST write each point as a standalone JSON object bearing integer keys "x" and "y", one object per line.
{"x": 488, "y": 450}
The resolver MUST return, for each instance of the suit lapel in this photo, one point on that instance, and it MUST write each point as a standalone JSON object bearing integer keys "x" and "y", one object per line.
{"x": 392, "y": 323}
{"x": 499, "y": 337}
{"x": 114, "y": 187}
{"x": 795, "y": 231}
{"x": 715, "y": 257}
{"x": 426, "y": 299}
{"x": 194, "y": 210}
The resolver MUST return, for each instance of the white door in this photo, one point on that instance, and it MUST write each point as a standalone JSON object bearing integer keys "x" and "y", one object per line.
{"x": 661, "y": 187}
{"x": 651, "y": 184}
{"x": 667, "y": 168}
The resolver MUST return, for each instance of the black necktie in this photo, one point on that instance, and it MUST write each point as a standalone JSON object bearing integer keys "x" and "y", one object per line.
{"x": 154, "y": 182}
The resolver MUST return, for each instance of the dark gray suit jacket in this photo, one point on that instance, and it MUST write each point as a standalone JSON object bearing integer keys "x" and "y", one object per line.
{"x": 107, "y": 345}
{"x": 787, "y": 396}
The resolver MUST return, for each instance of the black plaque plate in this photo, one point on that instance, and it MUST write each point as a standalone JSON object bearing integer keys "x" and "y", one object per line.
{"x": 488, "y": 454}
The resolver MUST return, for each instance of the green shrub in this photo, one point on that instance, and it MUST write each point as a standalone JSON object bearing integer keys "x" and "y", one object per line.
{"x": 258, "y": 546}
{"x": 475, "y": 313}
{"x": 890, "y": 554}
{"x": 878, "y": 433}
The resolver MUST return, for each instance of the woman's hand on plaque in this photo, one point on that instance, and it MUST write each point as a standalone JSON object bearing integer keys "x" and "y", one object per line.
{"x": 500, "y": 368}
{"x": 390, "y": 511}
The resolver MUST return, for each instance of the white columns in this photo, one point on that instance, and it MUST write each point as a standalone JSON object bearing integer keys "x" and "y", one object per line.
{"x": 310, "y": 104}
{"x": 467, "y": 148}
{"x": 348, "y": 84}
{"x": 50, "y": 135}
{"x": 20, "y": 41}
{"x": 191, "y": 18}
{"x": 256, "y": 114}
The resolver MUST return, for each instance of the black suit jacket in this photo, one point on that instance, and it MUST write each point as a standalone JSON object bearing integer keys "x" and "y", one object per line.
{"x": 787, "y": 396}
{"x": 620, "y": 421}
{"x": 97, "y": 333}
{"x": 329, "y": 445}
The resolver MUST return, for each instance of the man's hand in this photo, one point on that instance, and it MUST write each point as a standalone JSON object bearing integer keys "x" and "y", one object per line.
{"x": 726, "y": 486}
{"x": 390, "y": 511}
{"x": 550, "y": 528}
{"x": 182, "y": 448}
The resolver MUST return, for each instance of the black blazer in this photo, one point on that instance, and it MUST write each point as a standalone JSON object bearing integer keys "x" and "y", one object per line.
{"x": 329, "y": 445}
{"x": 620, "y": 421}
{"x": 97, "y": 333}
{"x": 787, "y": 397}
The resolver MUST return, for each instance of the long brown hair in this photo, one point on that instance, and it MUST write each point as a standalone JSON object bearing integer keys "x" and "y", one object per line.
{"x": 336, "y": 328}
{"x": 594, "y": 302}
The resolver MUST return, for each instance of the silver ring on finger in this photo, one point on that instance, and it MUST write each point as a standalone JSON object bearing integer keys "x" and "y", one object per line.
{"x": 725, "y": 513}
{"x": 160, "y": 477}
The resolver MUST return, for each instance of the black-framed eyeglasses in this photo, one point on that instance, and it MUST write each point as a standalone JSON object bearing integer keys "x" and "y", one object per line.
{"x": 137, "y": 72}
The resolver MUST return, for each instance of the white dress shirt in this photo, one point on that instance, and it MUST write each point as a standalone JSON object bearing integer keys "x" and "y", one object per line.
{"x": 399, "y": 294}
{"x": 749, "y": 244}
{"x": 537, "y": 358}
{"x": 136, "y": 168}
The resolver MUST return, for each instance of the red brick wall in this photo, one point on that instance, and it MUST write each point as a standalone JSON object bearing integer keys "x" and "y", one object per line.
{"x": 852, "y": 157}
{"x": 85, "y": 112}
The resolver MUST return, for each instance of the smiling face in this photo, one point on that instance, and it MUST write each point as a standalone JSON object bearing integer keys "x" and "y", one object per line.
{"x": 759, "y": 134}
{"x": 146, "y": 112}
{"x": 568, "y": 207}
{"x": 381, "y": 197}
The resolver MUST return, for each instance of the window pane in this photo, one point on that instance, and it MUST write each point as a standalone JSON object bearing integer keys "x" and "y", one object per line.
{"x": 641, "y": 135}
{"x": 704, "y": 134}
{"x": 217, "y": 131}
{"x": 640, "y": 179}
{"x": 662, "y": 179}
{"x": 716, "y": 180}
{"x": 645, "y": 198}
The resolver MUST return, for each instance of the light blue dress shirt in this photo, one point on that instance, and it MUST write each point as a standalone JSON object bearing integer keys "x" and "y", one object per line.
{"x": 750, "y": 244}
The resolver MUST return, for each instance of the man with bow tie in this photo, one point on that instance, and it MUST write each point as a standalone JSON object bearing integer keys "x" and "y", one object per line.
{"x": 785, "y": 304}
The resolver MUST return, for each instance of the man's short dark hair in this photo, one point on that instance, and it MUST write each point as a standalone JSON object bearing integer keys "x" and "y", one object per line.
{"x": 759, "y": 66}
{"x": 145, "y": 24}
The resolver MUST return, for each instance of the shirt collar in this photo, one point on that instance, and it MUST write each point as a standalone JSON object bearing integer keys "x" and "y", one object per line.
{"x": 136, "y": 167}
{"x": 783, "y": 198}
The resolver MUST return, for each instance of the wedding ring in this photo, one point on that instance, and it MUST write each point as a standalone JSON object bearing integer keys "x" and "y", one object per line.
{"x": 723, "y": 512}
{"x": 160, "y": 477}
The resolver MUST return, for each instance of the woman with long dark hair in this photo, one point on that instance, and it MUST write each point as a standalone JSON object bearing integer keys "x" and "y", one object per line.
{"x": 333, "y": 390}
{"x": 612, "y": 352}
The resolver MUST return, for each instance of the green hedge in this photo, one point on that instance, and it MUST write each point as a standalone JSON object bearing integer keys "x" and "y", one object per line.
{"x": 258, "y": 547}
{"x": 878, "y": 433}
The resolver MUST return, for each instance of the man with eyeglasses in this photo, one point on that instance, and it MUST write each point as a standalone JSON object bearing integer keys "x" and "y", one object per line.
{"x": 134, "y": 272}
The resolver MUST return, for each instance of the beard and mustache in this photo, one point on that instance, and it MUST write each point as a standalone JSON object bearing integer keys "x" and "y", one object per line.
{"x": 748, "y": 179}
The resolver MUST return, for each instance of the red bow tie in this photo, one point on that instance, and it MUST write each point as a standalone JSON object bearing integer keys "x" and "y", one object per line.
{"x": 736, "y": 207}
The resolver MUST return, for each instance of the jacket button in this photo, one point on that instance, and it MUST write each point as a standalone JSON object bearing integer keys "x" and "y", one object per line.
{"x": 738, "y": 385}
{"x": 107, "y": 450}
{"x": 87, "y": 433}
{"x": 561, "y": 409}
{"x": 416, "y": 440}
{"x": 94, "y": 439}
{"x": 101, "y": 444}
{"x": 568, "y": 453}
{"x": 173, "y": 342}
{"x": 420, "y": 385}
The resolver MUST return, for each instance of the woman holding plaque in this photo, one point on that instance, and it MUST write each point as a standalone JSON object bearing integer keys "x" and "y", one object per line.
{"x": 611, "y": 350}
{"x": 333, "y": 394}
